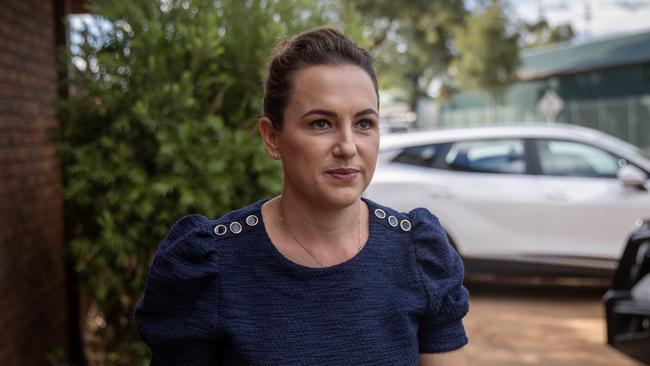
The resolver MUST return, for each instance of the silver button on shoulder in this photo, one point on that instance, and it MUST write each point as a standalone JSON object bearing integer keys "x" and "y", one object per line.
{"x": 220, "y": 229}
{"x": 392, "y": 220}
{"x": 405, "y": 225}
{"x": 235, "y": 227}
{"x": 252, "y": 220}
{"x": 380, "y": 213}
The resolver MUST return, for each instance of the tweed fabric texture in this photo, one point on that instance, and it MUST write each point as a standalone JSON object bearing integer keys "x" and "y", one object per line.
{"x": 234, "y": 299}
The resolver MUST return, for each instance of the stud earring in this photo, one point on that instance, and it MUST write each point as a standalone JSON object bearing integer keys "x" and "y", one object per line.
{"x": 276, "y": 156}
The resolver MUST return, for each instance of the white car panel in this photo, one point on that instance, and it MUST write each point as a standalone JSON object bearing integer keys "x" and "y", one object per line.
{"x": 588, "y": 217}
{"x": 472, "y": 207}
{"x": 535, "y": 218}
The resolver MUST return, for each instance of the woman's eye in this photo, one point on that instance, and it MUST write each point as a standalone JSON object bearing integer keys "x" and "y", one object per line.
{"x": 320, "y": 123}
{"x": 365, "y": 124}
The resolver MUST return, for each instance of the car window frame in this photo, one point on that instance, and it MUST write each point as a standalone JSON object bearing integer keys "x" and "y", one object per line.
{"x": 534, "y": 155}
{"x": 442, "y": 164}
{"x": 444, "y": 147}
{"x": 531, "y": 157}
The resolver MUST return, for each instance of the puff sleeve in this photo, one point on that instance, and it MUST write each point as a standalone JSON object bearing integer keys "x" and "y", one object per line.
{"x": 178, "y": 316}
{"x": 441, "y": 271}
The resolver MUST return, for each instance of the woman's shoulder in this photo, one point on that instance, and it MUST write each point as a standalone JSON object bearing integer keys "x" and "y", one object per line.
{"x": 236, "y": 223}
{"x": 441, "y": 273}
{"x": 179, "y": 310}
{"x": 423, "y": 230}
{"x": 390, "y": 218}
{"x": 435, "y": 254}
{"x": 191, "y": 229}
{"x": 186, "y": 265}
{"x": 418, "y": 221}
{"x": 194, "y": 240}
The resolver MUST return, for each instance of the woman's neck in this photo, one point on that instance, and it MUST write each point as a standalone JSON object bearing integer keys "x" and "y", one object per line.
{"x": 320, "y": 225}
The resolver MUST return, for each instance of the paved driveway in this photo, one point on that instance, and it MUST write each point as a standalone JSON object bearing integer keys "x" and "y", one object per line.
{"x": 541, "y": 325}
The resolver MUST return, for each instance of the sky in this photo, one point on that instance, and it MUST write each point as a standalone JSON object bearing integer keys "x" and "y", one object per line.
{"x": 608, "y": 17}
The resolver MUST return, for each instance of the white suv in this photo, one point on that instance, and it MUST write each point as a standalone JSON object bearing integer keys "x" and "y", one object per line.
{"x": 551, "y": 198}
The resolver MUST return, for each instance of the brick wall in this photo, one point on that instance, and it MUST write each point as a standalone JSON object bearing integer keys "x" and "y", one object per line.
{"x": 33, "y": 315}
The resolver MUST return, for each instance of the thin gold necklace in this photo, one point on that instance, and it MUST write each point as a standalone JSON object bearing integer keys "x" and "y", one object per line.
{"x": 305, "y": 248}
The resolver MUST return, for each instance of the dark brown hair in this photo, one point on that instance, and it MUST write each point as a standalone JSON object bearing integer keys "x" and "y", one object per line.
{"x": 319, "y": 46}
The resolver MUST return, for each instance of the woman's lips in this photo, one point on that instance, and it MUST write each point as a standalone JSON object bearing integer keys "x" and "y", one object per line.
{"x": 345, "y": 175}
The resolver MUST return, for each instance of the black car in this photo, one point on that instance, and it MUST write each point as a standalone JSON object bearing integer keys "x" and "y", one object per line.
{"x": 627, "y": 303}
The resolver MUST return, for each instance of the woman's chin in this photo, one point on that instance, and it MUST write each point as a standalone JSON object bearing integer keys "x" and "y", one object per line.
{"x": 343, "y": 197}
{"x": 326, "y": 194}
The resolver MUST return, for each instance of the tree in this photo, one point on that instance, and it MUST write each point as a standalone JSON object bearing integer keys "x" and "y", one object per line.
{"x": 161, "y": 123}
{"x": 541, "y": 33}
{"x": 488, "y": 55}
{"x": 410, "y": 40}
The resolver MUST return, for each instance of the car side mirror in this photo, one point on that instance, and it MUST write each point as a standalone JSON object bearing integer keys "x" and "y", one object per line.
{"x": 632, "y": 176}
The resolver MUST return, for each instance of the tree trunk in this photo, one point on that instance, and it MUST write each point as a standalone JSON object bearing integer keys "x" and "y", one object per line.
{"x": 414, "y": 92}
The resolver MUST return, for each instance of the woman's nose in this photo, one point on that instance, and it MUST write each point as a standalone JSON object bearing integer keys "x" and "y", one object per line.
{"x": 346, "y": 146}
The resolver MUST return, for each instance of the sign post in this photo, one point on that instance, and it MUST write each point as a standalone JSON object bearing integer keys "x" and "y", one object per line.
{"x": 551, "y": 104}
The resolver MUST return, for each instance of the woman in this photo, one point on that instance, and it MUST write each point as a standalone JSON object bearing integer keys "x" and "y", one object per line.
{"x": 318, "y": 275}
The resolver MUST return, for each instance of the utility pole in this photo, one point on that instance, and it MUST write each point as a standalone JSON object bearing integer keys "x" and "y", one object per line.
{"x": 587, "y": 19}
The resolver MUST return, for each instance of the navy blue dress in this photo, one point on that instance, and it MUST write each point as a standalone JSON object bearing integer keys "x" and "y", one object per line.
{"x": 220, "y": 293}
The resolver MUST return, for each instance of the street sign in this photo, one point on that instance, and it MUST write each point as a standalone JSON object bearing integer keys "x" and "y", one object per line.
{"x": 551, "y": 104}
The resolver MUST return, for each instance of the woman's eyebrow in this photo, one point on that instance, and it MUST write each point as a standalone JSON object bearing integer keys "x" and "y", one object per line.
{"x": 320, "y": 111}
{"x": 333, "y": 114}
{"x": 366, "y": 111}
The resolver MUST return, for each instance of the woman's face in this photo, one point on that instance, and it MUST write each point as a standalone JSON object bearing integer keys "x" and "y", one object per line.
{"x": 330, "y": 135}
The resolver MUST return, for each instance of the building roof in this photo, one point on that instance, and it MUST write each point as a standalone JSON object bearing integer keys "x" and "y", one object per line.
{"x": 541, "y": 62}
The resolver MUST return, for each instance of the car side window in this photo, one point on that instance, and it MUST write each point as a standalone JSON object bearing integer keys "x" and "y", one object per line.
{"x": 487, "y": 156}
{"x": 575, "y": 159}
{"x": 418, "y": 155}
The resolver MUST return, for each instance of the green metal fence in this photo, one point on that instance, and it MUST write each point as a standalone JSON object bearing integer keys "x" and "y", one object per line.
{"x": 627, "y": 118}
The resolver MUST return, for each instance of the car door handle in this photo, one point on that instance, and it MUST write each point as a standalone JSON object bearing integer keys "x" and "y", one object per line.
{"x": 440, "y": 193}
{"x": 556, "y": 196}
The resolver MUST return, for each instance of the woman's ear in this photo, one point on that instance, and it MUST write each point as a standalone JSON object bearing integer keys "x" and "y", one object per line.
{"x": 270, "y": 137}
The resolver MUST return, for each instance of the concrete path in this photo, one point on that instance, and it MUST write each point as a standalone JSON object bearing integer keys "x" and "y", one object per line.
{"x": 542, "y": 325}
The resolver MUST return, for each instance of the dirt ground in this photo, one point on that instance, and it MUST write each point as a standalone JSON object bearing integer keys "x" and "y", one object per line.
{"x": 538, "y": 324}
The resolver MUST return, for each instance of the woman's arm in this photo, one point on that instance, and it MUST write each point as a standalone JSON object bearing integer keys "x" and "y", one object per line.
{"x": 451, "y": 358}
